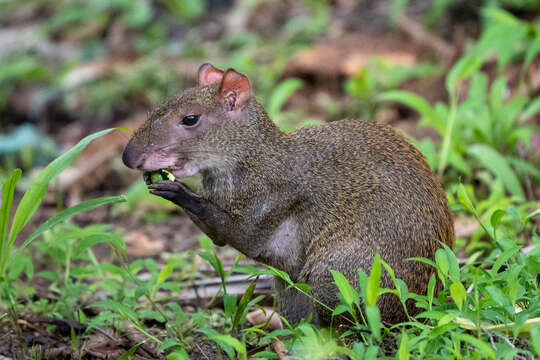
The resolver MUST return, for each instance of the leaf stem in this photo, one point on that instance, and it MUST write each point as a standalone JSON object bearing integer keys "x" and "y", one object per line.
{"x": 448, "y": 135}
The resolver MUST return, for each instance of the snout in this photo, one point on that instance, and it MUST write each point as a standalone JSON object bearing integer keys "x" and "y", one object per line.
{"x": 132, "y": 159}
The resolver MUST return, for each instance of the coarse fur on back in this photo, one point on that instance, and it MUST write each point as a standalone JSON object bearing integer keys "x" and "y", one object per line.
{"x": 321, "y": 198}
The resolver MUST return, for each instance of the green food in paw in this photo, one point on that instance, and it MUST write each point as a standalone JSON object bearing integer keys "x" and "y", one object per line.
{"x": 161, "y": 175}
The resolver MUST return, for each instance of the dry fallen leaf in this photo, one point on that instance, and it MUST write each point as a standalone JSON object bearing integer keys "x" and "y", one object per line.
{"x": 280, "y": 350}
{"x": 268, "y": 316}
{"x": 464, "y": 227}
{"x": 138, "y": 244}
{"x": 349, "y": 54}
{"x": 525, "y": 329}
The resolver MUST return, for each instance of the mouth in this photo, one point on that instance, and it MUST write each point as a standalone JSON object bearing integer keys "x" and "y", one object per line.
{"x": 177, "y": 172}
{"x": 179, "y": 169}
{"x": 183, "y": 170}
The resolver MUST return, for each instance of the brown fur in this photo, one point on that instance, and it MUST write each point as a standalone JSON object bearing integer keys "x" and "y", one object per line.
{"x": 336, "y": 194}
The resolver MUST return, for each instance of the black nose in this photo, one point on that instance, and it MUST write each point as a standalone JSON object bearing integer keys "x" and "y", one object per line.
{"x": 131, "y": 158}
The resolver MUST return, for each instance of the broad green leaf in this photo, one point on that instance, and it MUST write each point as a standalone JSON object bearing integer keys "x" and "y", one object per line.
{"x": 403, "y": 351}
{"x": 533, "y": 214}
{"x": 500, "y": 17}
{"x": 229, "y": 304}
{"x": 266, "y": 355}
{"x": 457, "y": 160}
{"x": 442, "y": 264}
{"x": 281, "y": 274}
{"x": 401, "y": 287}
{"x": 498, "y": 165}
{"x": 447, "y": 318}
{"x": 24, "y": 262}
{"x": 165, "y": 273}
{"x": 124, "y": 310}
{"x": 417, "y": 103}
{"x": 498, "y": 92}
{"x": 274, "y": 334}
{"x": 350, "y": 295}
{"x": 130, "y": 352}
{"x": 216, "y": 263}
{"x": 374, "y": 321}
{"x": 98, "y": 238}
{"x": 280, "y": 95}
{"x": 7, "y": 199}
{"x": 535, "y": 339}
{"x": 431, "y": 289}
{"x": 479, "y": 344}
{"x": 179, "y": 354}
{"x": 524, "y": 168}
{"x": 69, "y": 212}
{"x": 503, "y": 35}
{"x": 437, "y": 9}
{"x": 507, "y": 254}
{"x": 532, "y": 51}
{"x": 458, "y": 293}
{"x": 442, "y": 329}
{"x": 185, "y": 9}
{"x": 35, "y": 193}
{"x": 168, "y": 343}
{"x": 465, "y": 67}
{"x": 464, "y": 199}
{"x": 427, "y": 148}
{"x": 374, "y": 282}
{"x": 532, "y": 108}
{"x": 359, "y": 350}
{"x": 227, "y": 343}
{"x": 423, "y": 260}
{"x": 498, "y": 295}
{"x": 247, "y": 269}
{"x": 371, "y": 352}
{"x": 496, "y": 217}
{"x": 340, "y": 309}
{"x": 243, "y": 304}
{"x": 453, "y": 265}
{"x": 363, "y": 284}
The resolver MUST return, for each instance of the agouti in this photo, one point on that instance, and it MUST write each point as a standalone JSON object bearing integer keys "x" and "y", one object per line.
{"x": 320, "y": 198}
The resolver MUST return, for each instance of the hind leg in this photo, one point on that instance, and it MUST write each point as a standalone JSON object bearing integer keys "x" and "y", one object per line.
{"x": 292, "y": 304}
{"x": 348, "y": 260}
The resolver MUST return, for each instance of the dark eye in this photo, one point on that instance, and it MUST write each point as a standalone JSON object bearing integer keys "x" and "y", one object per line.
{"x": 190, "y": 120}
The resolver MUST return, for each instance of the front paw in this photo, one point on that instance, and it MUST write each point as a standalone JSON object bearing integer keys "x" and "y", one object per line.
{"x": 174, "y": 191}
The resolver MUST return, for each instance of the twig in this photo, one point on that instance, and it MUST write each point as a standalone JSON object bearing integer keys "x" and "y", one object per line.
{"x": 507, "y": 340}
{"x": 103, "y": 332}
{"x": 490, "y": 339}
{"x": 417, "y": 33}
{"x": 202, "y": 351}
{"x": 280, "y": 350}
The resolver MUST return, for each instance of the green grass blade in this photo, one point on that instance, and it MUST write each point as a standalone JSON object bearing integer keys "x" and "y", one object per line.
{"x": 280, "y": 94}
{"x": 69, "y": 212}
{"x": 479, "y": 344}
{"x": 350, "y": 295}
{"x": 498, "y": 165}
{"x": 374, "y": 282}
{"x": 415, "y": 102}
{"x": 532, "y": 109}
{"x": 7, "y": 199}
{"x": 532, "y": 51}
{"x": 35, "y": 193}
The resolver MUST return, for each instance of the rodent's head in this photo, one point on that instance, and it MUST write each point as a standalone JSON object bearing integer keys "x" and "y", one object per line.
{"x": 193, "y": 131}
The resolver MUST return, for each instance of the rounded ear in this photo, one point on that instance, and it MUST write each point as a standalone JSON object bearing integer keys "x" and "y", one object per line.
{"x": 235, "y": 90}
{"x": 209, "y": 75}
